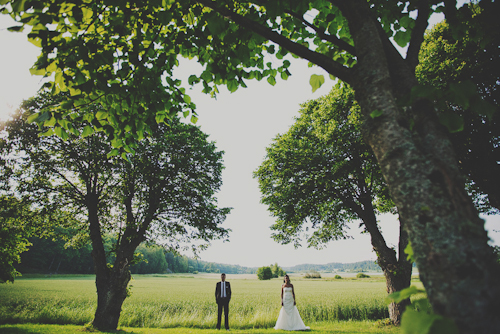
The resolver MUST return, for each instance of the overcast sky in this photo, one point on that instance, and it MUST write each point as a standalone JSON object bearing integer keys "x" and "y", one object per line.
{"x": 242, "y": 124}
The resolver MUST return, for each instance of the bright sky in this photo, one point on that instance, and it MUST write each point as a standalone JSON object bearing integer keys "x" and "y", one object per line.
{"x": 242, "y": 124}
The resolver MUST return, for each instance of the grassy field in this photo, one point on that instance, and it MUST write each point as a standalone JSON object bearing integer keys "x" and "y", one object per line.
{"x": 174, "y": 301}
{"x": 342, "y": 327}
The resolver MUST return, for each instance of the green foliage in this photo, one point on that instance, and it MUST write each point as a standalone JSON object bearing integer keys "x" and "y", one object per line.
{"x": 316, "y": 81}
{"x": 459, "y": 72}
{"x": 264, "y": 273}
{"x": 123, "y": 57}
{"x": 53, "y": 256}
{"x": 312, "y": 274}
{"x": 338, "y": 277}
{"x": 154, "y": 261}
{"x": 420, "y": 318}
{"x": 13, "y": 237}
{"x": 20, "y": 219}
{"x": 335, "y": 266}
{"x": 134, "y": 195}
{"x": 277, "y": 271}
{"x": 362, "y": 275}
{"x": 321, "y": 171}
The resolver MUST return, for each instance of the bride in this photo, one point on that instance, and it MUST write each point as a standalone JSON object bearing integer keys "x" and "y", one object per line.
{"x": 289, "y": 318}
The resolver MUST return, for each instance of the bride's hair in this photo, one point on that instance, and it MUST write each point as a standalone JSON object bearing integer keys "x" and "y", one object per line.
{"x": 284, "y": 278}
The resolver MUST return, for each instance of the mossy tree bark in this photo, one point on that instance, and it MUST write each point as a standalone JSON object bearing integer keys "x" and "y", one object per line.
{"x": 456, "y": 265}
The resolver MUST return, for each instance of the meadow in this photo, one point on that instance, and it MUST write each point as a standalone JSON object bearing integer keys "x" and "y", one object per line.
{"x": 175, "y": 301}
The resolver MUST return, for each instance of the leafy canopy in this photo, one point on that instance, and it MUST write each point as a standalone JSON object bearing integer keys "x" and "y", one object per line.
{"x": 321, "y": 174}
{"x": 122, "y": 55}
{"x": 166, "y": 190}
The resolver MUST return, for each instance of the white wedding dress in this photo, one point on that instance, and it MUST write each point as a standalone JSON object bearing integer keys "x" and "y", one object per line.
{"x": 289, "y": 318}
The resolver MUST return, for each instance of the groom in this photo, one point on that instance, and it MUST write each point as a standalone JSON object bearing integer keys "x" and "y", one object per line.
{"x": 222, "y": 298}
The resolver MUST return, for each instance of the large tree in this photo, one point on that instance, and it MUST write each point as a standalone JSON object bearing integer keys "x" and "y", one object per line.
{"x": 165, "y": 192}
{"x": 321, "y": 175}
{"x": 122, "y": 55}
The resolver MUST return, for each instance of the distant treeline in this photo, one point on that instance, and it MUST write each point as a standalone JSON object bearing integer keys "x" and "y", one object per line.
{"x": 48, "y": 256}
{"x": 332, "y": 267}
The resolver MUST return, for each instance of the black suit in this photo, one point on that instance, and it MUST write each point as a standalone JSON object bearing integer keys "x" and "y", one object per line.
{"x": 223, "y": 303}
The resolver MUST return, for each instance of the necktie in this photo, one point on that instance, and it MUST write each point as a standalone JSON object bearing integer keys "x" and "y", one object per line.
{"x": 223, "y": 290}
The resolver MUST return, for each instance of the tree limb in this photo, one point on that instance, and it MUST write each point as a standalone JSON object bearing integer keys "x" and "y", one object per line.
{"x": 330, "y": 38}
{"x": 328, "y": 64}
{"x": 417, "y": 34}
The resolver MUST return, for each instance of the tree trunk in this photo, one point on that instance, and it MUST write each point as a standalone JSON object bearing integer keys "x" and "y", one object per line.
{"x": 397, "y": 272}
{"x": 111, "y": 283}
{"x": 111, "y": 292}
{"x": 456, "y": 265}
{"x": 399, "y": 278}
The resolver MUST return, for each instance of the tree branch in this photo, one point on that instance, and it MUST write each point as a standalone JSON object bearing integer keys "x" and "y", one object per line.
{"x": 417, "y": 34}
{"x": 328, "y": 64}
{"x": 330, "y": 38}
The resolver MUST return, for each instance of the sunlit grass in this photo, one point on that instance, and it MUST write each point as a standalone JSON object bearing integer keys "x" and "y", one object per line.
{"x": 342, "y": 327}
{"x": 189, "y": 302}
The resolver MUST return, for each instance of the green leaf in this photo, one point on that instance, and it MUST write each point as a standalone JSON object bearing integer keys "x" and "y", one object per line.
{"x": 401, "y": 295}
{"x": 61, "y": 133}
{"x": 117, "y": 143}
{"x": 87, "y": 131}
{"x": 16, "y": 28}
{"x": 376, "y": 113}
{"x": 47, "y": 133}
{"x": 413, "y": 322}
{"x": 159, "y": 118}
{"x": 453, "y": 121}
{"x": 101, "y": 115}
{"x": 443, "y": 325}
{"x": 402, "y": 38}
{"x": 37, "y": 41}
{"x": 232, "y": 85}
{"x": 271, "y": 80}
{"x": 43, "y": 116}
{"x": 113, "y": 153}
{"x": 316, "y": 81}
{"x": 407, "y": 22}
{"x": 50, "y": 122}
{"x": 409, "y": 252}
{"x": 32, "y": 118}
{"x": 216, "y": 24}
{"x": 193, "y": 79}
{"x": 80, "y": 78}
{"x": 194, "y": 119}
{"x": 18, "y": 6}
{"x": 36, "y": 71}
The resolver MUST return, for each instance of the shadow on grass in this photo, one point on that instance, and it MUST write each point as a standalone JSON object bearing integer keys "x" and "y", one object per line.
{"x": 55, "y": 329}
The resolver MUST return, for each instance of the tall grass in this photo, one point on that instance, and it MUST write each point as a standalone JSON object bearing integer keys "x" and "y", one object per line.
{"x": 190, "y": 302}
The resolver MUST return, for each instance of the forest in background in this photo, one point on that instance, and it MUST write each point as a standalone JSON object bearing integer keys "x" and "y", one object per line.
{"x": 47, "y": 256}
